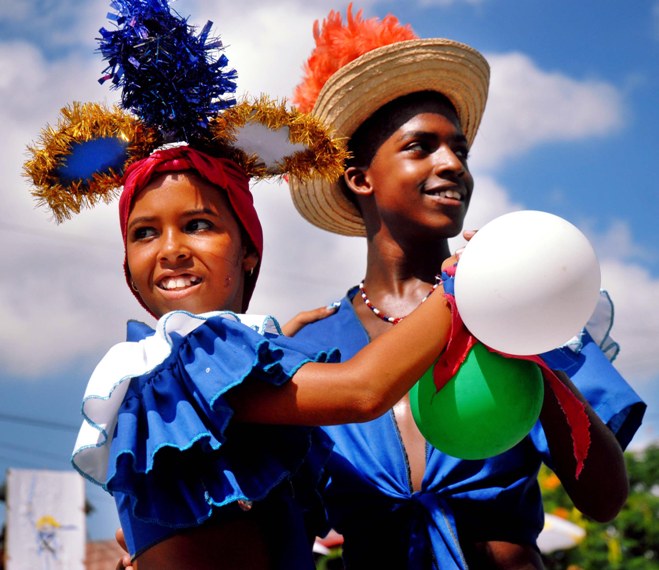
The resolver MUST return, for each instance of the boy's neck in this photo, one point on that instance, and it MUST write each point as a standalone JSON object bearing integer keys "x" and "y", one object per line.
{"x": 397, "y": 270}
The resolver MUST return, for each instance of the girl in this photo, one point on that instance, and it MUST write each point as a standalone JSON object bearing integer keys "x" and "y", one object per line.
{"x": 199, "y": 427}
{"x": 174, "y": 417}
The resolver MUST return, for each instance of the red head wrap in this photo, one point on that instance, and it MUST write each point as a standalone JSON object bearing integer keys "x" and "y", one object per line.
{"x": 221, "y": 172}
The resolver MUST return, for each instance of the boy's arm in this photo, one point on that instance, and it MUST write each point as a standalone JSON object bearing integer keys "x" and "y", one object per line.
{"x": 601, "y": 489}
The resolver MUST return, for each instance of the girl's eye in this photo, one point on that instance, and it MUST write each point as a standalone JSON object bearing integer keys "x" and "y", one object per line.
{"x": 143, "y": 233}
{"x": 198, "y": 225}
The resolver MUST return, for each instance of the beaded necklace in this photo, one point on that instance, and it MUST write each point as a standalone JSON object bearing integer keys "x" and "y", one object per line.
{"x": 378, "y": 313}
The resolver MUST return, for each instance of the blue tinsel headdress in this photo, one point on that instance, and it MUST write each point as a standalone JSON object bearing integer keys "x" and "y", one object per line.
{"x": 169, "y": 76}
{"x": 176, "y": 86}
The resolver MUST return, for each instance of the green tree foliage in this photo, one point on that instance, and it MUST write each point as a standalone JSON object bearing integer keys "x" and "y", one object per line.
{"x": 631, "y": 541}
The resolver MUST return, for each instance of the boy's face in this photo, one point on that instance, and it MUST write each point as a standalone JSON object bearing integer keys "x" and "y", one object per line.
{"x": 184, "y": 247}
{"x": 418, "y": 178}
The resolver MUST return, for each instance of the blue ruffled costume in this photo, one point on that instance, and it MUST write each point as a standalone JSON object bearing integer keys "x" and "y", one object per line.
{"x": 158, "y": 433}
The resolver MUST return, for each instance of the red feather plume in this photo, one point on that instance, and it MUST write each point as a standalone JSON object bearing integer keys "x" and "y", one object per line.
{"x": 338, "y": 44}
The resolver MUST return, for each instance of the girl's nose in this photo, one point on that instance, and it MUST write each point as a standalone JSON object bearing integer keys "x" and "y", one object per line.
{"x": 174, "y": 246}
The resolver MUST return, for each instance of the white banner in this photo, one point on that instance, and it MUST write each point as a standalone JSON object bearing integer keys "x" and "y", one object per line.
{"x": 45, "y": 520}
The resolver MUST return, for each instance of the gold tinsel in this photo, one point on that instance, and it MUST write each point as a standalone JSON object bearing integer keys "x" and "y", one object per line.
{"x": 80, "y": 123}
{"x": 323, "y": 157}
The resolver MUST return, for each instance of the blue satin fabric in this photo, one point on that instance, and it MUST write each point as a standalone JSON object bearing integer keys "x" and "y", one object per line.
{"x": 177, "y": 459}
{"x": 369, "y": 497}
{"x": 606, "y": 390}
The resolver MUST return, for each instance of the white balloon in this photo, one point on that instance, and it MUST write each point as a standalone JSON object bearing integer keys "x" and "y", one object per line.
{"x": 527, "y": 282}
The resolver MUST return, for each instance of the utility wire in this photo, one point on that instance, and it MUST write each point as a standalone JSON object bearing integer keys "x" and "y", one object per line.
{"x": 34, "y": 452}
{"x": 37, "y": 422}
{"x": 62, "y": 237}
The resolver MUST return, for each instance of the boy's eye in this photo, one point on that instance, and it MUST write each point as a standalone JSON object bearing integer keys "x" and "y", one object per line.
{"x": 462, "y": 152}
{"x": 198, "y": 225}
{"x": 418, "y": 146}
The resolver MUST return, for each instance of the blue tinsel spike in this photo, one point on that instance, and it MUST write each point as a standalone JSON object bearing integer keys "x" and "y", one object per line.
{"x": 168, "y": 76}
{"x": 117, "y": 76}
{"x": 205, "y": 31}
{"x": 141, "y": 31}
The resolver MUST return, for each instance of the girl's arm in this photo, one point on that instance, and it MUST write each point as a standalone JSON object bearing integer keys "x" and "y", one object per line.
{"x": 602, "y": 487}
{"x": 359, "y": 389}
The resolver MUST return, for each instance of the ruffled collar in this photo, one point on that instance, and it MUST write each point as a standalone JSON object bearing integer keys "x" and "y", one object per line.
{"x": 146, "y": 349}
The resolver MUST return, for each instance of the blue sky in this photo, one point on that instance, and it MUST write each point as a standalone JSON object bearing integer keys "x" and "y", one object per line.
{"x": 570, "y": 128}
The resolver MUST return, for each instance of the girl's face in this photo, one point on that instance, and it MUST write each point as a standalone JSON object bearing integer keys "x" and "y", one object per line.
{"x": 418, "y": 180}
{"x": 184, "y": 247}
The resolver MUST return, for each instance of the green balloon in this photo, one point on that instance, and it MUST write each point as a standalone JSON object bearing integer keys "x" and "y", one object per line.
{"x": 489, "y": 406}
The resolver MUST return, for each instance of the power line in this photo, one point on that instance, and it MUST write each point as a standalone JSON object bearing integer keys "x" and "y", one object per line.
{"x": 34, "y": 452}
{"x": 20, "y": 463}
{"x": 37, "y": 422}
{"x": 62, "y": 237}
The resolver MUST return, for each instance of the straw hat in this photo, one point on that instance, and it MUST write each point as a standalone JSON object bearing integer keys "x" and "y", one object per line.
{"x": 359, "y": 88}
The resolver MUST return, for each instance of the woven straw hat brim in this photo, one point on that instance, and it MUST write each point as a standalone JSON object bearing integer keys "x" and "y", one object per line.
{"x": 358, "y": 89}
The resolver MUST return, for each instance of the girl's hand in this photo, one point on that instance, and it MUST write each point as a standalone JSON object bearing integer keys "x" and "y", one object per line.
{"x": 124, "y": 562}
{"x": 455, "y": 258}
{"x": 306, "y": 317}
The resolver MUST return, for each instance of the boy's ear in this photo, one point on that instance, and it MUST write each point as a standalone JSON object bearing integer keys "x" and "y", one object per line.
{"x": 357, "y": 180}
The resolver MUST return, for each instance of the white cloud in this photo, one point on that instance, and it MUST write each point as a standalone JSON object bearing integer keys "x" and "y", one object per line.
{"x": 617, "y": 242}
{"x": 635, "y": 294}
{"x": 528, "y": 107}
{"x": 33, "y": 89}
{"x": 265, "y": 42}
{"x": 303, "y": 266}
{"x": 58, "y": 25}
{"x": 489, "y": 200}
{"x": 66, "y": 297}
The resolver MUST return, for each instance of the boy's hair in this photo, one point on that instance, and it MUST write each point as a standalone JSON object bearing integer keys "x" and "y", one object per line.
{"x": 372, "y": 133}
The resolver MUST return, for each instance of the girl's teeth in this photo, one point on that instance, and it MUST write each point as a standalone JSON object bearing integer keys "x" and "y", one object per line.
{"x": 178, "y": 283}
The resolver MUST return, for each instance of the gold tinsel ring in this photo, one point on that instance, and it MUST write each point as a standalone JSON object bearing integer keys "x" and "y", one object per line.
{"x": 81, "y": 123}
{"x": 250, "y": 129}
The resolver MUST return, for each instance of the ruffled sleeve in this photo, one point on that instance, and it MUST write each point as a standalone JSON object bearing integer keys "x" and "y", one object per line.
{"x": 158, "y": 424}
{"x": 587, "y": 359}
